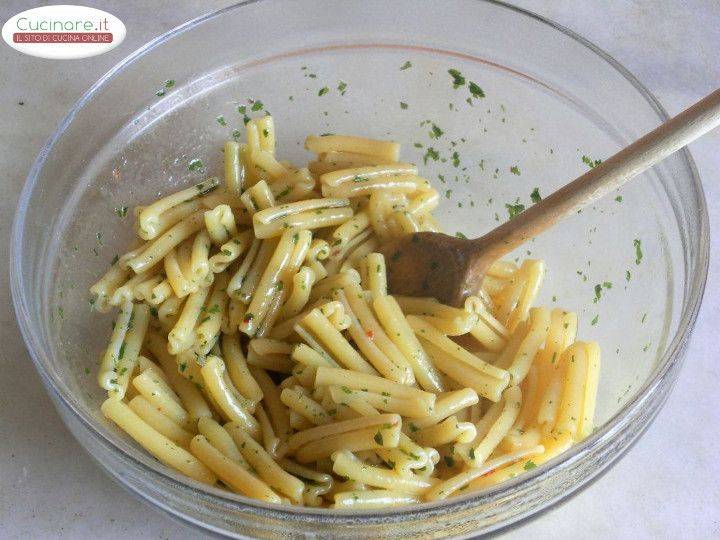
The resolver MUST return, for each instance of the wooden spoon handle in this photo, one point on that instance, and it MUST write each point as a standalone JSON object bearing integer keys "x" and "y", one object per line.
{"x": 650, "y": 149}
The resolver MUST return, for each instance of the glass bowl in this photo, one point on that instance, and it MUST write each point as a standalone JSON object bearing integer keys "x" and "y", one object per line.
{"x": 552, "y": 104}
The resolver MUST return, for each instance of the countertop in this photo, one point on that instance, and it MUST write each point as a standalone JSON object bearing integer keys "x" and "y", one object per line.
{"x": 668, "y": 484}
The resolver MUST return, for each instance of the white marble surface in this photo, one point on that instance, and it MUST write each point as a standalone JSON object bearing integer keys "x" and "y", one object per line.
{"x": 667, "y": 486}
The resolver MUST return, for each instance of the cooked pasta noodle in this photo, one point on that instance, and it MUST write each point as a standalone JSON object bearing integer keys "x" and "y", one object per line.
{"x": 257, "y": 343}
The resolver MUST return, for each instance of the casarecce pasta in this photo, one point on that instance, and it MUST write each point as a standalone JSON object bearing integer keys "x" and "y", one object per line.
{"x": 257, "y": 346}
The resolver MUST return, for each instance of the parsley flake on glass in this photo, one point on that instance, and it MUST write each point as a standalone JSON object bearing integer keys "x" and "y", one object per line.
{"x": 195, "y": 165}
{"x": 457, "y": 78}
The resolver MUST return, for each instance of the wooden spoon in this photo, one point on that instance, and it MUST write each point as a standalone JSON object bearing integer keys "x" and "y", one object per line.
{"x": 450, "y": 268}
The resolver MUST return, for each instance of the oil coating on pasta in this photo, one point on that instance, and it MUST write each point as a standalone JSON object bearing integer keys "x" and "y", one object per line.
{"x": 256, "y": 346}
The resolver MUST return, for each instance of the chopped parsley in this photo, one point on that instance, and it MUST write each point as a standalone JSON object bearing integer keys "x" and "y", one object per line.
{"x": 257, "y": 106}
{"x": 638, "y": 250}
{"x": 457, "y": 77}
{"x": 324, "y": 90}
{"x": 535, "y": 195}
{"x": 529, "y": 464}
{"x": 403, "y": 105}
{"x": 514, "y": 209}
{"x": 342, "y": 86}
{"x": 220, "y": 119}
{"x": 195, "y": 165}
{"x": 121, "y": 211}
{"x": 515, "y": 170}
{"x": 406, "y": 65}
{"x": 591, "y": 163}
{"x": 475, "y": 90}
{"x": 431, "y": 153}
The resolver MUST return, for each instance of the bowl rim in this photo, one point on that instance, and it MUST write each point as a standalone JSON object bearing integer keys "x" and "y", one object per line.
{"x": 669, "y": 363}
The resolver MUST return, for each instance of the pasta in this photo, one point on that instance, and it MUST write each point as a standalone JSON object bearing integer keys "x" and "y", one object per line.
{"x": 257, "y": 346}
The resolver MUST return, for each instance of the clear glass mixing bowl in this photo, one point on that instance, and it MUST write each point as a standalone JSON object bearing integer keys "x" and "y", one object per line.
{"x": 550, "y": 99}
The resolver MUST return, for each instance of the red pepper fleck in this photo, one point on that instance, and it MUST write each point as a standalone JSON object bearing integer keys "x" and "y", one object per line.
{"x": 370, "y": 334}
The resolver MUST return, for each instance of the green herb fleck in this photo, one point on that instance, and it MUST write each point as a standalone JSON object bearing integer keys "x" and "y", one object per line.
{"x": 515, "y": 170}
{"x": 457, "y": 77}
{"x": 404, "y": 105}
{"x": 591, "y": 163}
{"x": 514, "y": 209}
{"x": 475, "y": 90}
{"x": 431, "y": 153}
{"x": 195, "y": 165}
{"x": 406, "y": 65}
{"x": 257, "y": 106}
{"x": 220, "y": 119}
{"x": 530, "y": 464}
{"x": 535, "y": 195}
{"x": 638, "y": 250}
{"x": 324, "y": 90}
